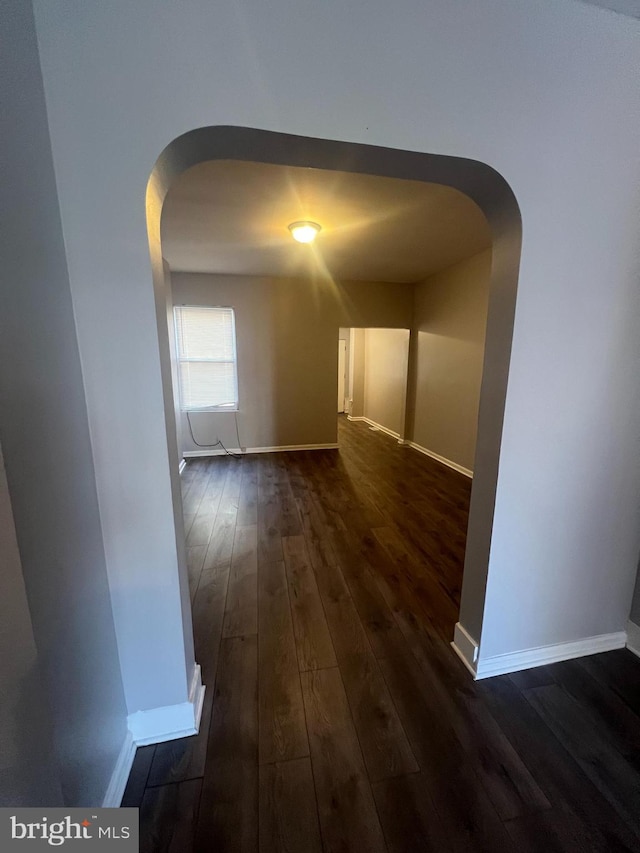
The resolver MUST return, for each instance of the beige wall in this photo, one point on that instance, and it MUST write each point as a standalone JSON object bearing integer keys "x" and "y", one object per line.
{"x": 450, "y": 320}
{"x": 385, "y": 376}
{"x": 286, "y": 331}
{"x": 357, "y": 373}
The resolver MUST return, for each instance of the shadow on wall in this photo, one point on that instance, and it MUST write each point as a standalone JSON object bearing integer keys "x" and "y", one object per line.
{"x": 478, "y": 181}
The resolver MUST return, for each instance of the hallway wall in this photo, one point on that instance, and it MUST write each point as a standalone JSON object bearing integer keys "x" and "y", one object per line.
{"x": 28, "y": 772}
{"x": 50, "y": 472}
{"x": 450, "y": 322}
{"x": 385, "y": 376}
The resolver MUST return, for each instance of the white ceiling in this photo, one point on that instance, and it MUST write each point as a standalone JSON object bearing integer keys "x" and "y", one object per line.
{"x": 232, "y": 217}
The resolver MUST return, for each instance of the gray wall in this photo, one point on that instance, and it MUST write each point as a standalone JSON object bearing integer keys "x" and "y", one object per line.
{"x": 450, "y": 321}
{"x": 123, "y": 80}
{"x": 28, "y": 772}
{"x": 385, "y": 376}
{"x": 286, "y": 331}
{"x": 635, "y": 604}
{"x": 45, "y": 438}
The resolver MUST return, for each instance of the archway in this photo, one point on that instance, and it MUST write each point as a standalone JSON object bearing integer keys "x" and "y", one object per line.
{"x": 494, "y": 197}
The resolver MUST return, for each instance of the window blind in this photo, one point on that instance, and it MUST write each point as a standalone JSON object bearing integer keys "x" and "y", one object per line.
{"x": 206, "y": 350}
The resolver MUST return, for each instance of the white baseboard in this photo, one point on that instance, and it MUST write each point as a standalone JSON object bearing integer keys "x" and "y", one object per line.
{"x": 407, "y": 443}
{"x": 120, "y": 775}
{"x": 182, "y": 466}
{"x": 171, "y": 721}
{"x": 529, "y": 658}
{"x": 375, "y": 425}
{"x": 465, "y": 647}
{"x": 633, "y": 638}
{"x": 438, "y": 458}
{"x": 280, "y": 449}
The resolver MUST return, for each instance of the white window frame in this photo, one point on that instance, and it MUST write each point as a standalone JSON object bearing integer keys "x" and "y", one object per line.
{"x": 182, "y": 359}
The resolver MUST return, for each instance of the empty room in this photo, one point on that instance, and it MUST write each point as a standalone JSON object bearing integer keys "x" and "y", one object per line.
{"x": 319, "y": 422}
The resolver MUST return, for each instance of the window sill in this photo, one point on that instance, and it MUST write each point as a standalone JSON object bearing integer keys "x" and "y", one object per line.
{"x": 210, "y": 411}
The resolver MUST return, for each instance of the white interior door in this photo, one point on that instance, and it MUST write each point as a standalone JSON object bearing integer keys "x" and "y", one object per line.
{"x": 342, "y": 366}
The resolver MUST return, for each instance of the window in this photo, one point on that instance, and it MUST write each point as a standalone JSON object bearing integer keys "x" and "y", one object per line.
{"x": 206, "y": 347}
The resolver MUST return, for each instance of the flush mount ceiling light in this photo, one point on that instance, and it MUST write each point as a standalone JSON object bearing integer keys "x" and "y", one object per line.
{"x": 304, "y": 232}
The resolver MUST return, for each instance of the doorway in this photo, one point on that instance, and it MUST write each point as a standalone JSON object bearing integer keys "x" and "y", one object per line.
{"x": 474, "y": 180}
{"x": 375, "y": 373}
{"x": 342, "y": 374}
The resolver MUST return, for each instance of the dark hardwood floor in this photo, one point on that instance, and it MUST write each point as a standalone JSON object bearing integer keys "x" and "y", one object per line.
{"x": 325, "y": 587}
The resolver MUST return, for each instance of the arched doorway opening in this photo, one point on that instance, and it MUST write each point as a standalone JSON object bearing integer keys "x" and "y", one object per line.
{"x": 477, "y": 181}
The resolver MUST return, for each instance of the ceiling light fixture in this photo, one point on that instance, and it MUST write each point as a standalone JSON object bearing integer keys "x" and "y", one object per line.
{"x": 304, "y": 232}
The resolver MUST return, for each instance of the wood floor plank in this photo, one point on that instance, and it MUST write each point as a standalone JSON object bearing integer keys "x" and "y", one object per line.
{"x": 313, "y": 640}
{"x": 557, "y": 831}
{"x": 375, "y": 614}
{"x": 283, "y": 733}
{"x": 609, "y": 771}
{"x": 563, "y": 781}
{"x": 208, "y": 617}
{"x": 470, "y": 822}
{"x": 315, "y": 532}
{"x": 228, "y": 816}
{"x": 289, "y": 517}
{"x": 138, "y": 776}
{"x": 195, "y": 561}
{"x": 188, "y": 523}
{"x": 538, "y": 677}
{"x": 269, "y": 515}
{"x": 169, "y": 815}
{"x": 230, "y": 498}
{"x": 619, "y": 671}
{"x": 202, "y": 526}
{"x": 218, "y": 467}
{"x": 348, "y": 817}
{"x": 221, "y": 543}
{"x": 195, "y": 492}
{"x": 500, "y": 769}
{"x": 615, "y": 721}
{"x": 468, "y": 815}
{"x": 502, "y": 772}
{"x": 241, "y": 614}
{"x": 248, "y": 499}
{"x": 184, "y": 758}
{"x": 384, "y": 743}
{"x": 408, "y": 816}
{"x": 419, "y": 585}
{"x": 288, "y": 813}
